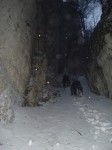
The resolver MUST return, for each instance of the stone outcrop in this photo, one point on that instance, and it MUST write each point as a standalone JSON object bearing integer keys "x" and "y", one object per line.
{"x": 17, "y": 33}
{"x": 34, "y": 91}
{"x": 100, "y": 65}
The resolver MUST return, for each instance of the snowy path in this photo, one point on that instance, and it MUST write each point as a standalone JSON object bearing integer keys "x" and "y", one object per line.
{"x": 71, "y": 123}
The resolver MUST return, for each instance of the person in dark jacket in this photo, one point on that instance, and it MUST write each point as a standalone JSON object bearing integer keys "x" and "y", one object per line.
{"x": 76, "y": 88}
{"x": 66, "y": 81}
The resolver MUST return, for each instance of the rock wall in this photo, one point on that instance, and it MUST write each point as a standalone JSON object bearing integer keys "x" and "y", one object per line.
{"x": 37, "y": 81}
{"x": 48, "y": 29}
{"x": 59, "y": 31}
{"x": 17, "y": 34}
{"x": 100, "y": 65}
{"x": 28, "y": 29}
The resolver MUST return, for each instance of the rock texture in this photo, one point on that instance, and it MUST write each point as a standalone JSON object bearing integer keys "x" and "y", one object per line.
{"x": 57, "y": 35}
{"x": 100, "y": 65}
{"x": 17, "y": 33}
{"x": 37, "y": 40}
{"x": 59, "y": 32}
{"x": 36, "y": 85}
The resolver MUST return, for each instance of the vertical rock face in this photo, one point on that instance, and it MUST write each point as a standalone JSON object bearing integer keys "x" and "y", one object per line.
{"x": 37, "y": 81}
{"x": 70, "y": 35}
{"x": 17, "y": 32}
{"x": 48, "y": 29}
{"x": 42, "y": 29}
{"x": 100, "y": 67}
{"x": 59, "y": 30}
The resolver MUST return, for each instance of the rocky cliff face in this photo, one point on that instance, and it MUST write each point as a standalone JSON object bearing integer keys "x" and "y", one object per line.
{"x": 37, "y": 39}
{"x": 100, "y": 67}
{"x": 17, "y": 32}
{"x": 59, "y": 30}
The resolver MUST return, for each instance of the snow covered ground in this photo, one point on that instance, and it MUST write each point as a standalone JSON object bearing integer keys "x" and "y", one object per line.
{"x": 71, "y": 123}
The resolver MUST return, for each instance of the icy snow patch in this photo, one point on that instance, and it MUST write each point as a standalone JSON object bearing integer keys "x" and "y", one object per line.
{"x": 68, "y": 124}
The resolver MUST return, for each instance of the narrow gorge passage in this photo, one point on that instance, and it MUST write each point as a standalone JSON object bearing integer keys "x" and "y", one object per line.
{"x": 41, "y": 41}
{"x": 71, "y": 123}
